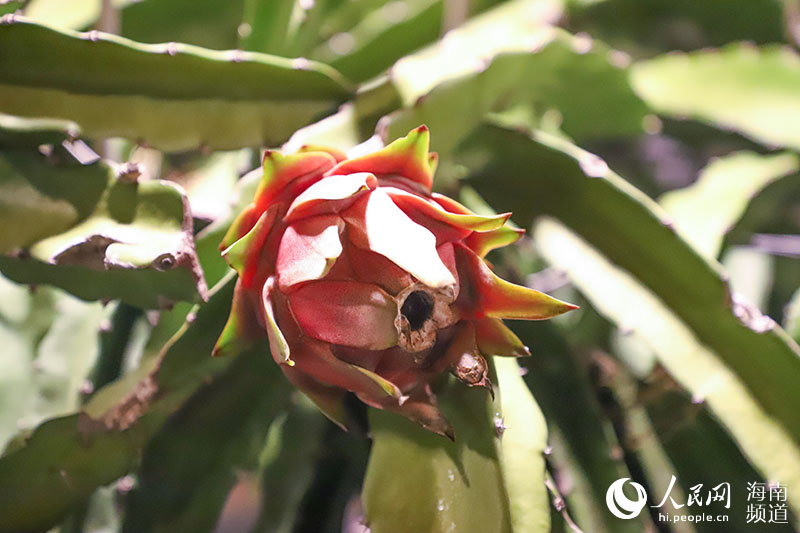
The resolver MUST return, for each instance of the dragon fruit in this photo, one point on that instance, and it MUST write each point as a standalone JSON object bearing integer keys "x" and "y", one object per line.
{"x": 366, "y": 281}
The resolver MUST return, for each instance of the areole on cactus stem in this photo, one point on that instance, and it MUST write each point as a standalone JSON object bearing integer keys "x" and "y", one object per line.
{"x": 366, "y": 281}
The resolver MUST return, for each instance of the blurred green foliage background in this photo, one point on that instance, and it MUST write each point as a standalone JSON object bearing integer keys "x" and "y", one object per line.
{"x": 649, "y": 147}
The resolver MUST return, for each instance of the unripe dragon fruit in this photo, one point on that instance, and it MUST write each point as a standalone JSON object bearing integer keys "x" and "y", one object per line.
{"x": 366, "y": 281}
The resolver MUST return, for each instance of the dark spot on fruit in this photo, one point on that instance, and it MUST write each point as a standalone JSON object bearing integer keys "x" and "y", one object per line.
{"x": 417, "y": 309}
{"x": 164, "y": 262}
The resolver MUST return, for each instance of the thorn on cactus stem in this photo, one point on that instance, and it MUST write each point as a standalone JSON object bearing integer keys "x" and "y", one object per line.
{"x": 559, "y": 504}
{"x": 499, "y": 426}
{"x": 87, "y": 387}
{"x": 153, "y": 317}
{"x": 129, "y": 172}
{"x": 126, "y": 484}
{"x": 301, "y": 63}
{"x": 46, "y": 149}
{"x": 593, "y": 166}
{"x": 237, "y": 56}
{"x": 617, "y": 453}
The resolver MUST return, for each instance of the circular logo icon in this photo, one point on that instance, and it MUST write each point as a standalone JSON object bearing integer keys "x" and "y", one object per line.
{"x": 620, "y": 505}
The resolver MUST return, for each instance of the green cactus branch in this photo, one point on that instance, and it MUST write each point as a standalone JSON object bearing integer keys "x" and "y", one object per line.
{"x": 227, "y": 423}
{"x": 585, "y": 439}
{"x": 279, "y": 129}
{"x": 191, "y": 97}
{"x": 534, "y": 69}
{"x": 751, "y": 90}
{"x": 96, "y": 234}
{"x": 498, "y": 443}
{"x": 457, "y": 485}
{"x": 721, "y": 335}
{"x": 67, "y": 458}
{"x": 16, "y": 132}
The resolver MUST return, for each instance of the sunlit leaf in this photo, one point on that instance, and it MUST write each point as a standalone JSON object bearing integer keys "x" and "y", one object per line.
{"x": 704, "y": 211}
{"x": 210, "y": 182}
{"x": 491, "y": 65}
{"x": 77, "y": 14}
{"x": 172, "y": 96}
{"x": 696, "y": 367}
{"x": 81, "y": 228}
{"x": 268, "y": 26}
{"x": 593, "y": 225}
{"x": 373, "y": 39}
{"x": 16, "y": 132}
{"x": 754, "y": 91}
{"x": 382, "y": 37}
{"x": 523, "y": 444}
